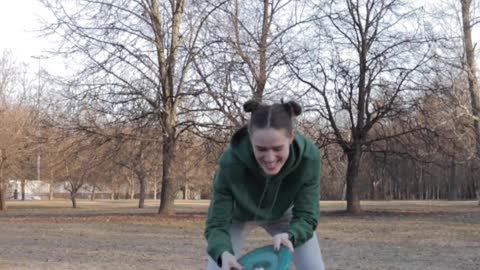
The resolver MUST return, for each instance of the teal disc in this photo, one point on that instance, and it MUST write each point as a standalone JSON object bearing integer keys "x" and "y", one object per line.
{"x": 265, "y": 258}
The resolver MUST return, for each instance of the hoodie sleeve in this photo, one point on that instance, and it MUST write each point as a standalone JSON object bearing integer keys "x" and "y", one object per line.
{"x": 306, "y": 207}
{"x": 219, "y": 218}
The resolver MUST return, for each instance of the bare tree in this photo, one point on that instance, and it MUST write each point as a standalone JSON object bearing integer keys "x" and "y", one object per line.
{"x": 78, "y": 161}
{"x": 15, "y": 124}
{"x": 137, "y": 56}
{"x": 191, "y": 166}
{"x": 471, "y": 69}
{"x": 457, "y": 53}
{"x": 377, "y": 49}
{"x": 259, "y": 37}
{"x": 139, "y": 157}
{"x": 242, "y": 54}
{"x": 3, "y": 184}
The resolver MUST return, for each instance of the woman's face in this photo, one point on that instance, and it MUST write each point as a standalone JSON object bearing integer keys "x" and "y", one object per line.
{"x": 271, "y": 148}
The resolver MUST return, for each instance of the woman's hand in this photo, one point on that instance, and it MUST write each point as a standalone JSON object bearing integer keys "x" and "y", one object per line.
{"x": 229, "y": 262}
{"x": 281, "y": 239}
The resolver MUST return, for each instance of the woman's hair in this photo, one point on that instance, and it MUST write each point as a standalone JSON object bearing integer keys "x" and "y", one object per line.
{"x": 277, "y": 115}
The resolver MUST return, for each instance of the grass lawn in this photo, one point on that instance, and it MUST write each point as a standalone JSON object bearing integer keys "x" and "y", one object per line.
{"x": 106, "y": 234}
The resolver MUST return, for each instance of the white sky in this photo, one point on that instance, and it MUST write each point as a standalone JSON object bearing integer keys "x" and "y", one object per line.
{"x": 18, "y": 22}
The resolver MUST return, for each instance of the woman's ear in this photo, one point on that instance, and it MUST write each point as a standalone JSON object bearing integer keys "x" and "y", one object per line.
{"x": 292, "y": 136}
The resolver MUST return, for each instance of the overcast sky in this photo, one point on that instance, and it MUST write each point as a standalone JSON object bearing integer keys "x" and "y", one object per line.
{"x": 18, "y": 22}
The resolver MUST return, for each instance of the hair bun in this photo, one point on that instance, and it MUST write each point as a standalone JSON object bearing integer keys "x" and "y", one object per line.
{"x": 251, "y": 105}
{"x": 293, "y": 108}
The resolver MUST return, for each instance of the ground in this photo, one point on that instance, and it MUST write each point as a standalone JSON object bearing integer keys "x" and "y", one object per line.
{"x": 115, "y": 235}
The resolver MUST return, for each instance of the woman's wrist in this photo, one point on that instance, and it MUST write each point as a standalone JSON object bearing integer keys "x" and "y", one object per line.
{"x": 290, "y": 236}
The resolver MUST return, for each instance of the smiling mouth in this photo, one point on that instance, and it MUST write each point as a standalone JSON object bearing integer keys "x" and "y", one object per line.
{"x": 271, "y": 166}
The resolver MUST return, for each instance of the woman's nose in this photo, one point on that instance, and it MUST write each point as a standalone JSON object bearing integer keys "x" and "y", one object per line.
{"x": 269, "y": 156}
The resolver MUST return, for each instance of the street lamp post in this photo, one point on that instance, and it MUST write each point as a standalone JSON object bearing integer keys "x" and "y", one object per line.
{"x": 39, "y": 58}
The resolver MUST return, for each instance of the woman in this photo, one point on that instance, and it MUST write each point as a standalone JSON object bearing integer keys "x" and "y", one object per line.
{"x": 268, "y": 177}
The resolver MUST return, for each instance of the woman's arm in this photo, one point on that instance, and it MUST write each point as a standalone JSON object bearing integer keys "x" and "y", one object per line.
{"x": 219, "y": 218}
{"x": 306, "y": 207}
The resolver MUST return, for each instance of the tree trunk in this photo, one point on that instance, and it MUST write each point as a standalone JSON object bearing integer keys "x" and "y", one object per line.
{"x": 262, "y": 51}
{"x": 113, "y": 189}
{"x": 141, "y": 179}
{"x": 452, "y": 187}
{"x": 373, "y": 192}
{"x": 432, "y": 191}
{"x": 168, "y": 86}
{"x": 73, "y": 197}
{"x": 23, "y": 189}
{"x": 51, "y": 187}
{"x": 92, "y": 195}
{"x": 3, "y": 186}
{"x": 384, "y": 189}
{"x": 155, "y": 187}
{"x": 186, "y": 193}
{"x": 50, "y": 191}
{"x": 353, "y": 201}
{"x": 420, "y": 193}
{"x": 167, "y": 196}
{"x": 428, "y": 188}
{"x": 132, "y": 188}
{"x": 3, "y": 195}
{"x": 472, "y": 74}
{"x": 476, "y": 187}
{"x": 407, "y": 188}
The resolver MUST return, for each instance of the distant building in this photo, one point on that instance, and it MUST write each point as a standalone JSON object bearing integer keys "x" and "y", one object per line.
{"x": 34, "y": 189}
{"x": 40, "y": 190}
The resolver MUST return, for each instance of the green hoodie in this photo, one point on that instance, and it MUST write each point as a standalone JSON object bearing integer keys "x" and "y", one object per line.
{"x": 241, "y": 192}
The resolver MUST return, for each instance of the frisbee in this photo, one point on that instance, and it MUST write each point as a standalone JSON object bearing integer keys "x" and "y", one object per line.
{"x": 265, "y": 258}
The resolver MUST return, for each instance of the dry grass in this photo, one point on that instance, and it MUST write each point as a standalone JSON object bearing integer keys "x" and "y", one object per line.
{"x": 116, "y": 235}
